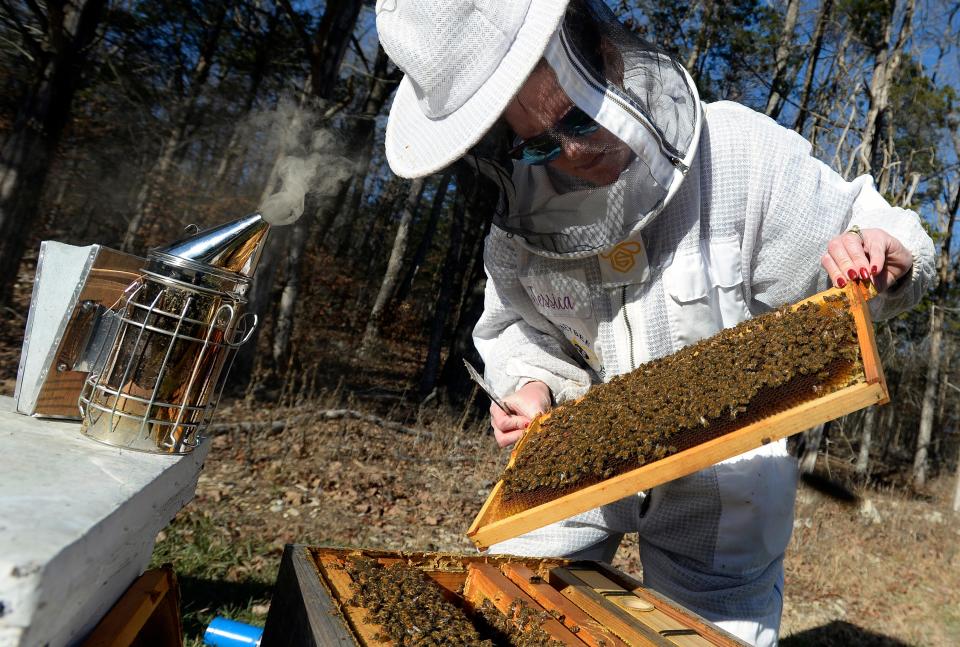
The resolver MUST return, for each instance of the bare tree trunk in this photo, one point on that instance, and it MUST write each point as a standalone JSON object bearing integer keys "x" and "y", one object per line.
{"x": 237, "y": 143}
{"x": 392, "y": 275}
{"x": 349, "y": 228}
{"x": 832, "y": 87}
{"x": 283, "y": 327}
{"x": 479, "y": 205}
{"x": 26, "y": 154}
{"x": 369, "y": 250}
{"x": 812, "y": 59}
{"x": 290, "y": 295}
{"x": 702, "y": 42}
{"x": 149, "y": 189}
{"x": 259, "y": 300}
{"x": 779, "y": 86}
{"x": 184, "y": 115}
{"x": 390, "y": 200}
{"x": 453, "y": 376}
{"x": 811, "y": 446}
{"x": 956, "y": 489}
{"x": 360, "y": 137}
{"x": 441, "y": 310}
{"x": 929, "y": 406}
{"x": 866, "y": 439}
{"x": 886, "y": 62}
{"x": 940, "y": 420}
{"x": 426, "y": 241}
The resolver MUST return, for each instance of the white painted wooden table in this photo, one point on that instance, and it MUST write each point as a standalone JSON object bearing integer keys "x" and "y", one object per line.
{"x": 78, "y": 521}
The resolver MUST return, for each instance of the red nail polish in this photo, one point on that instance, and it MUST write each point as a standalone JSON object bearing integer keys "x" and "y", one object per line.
{"x": 873, "y": 270}
{"x": 852, "y": 274}
{"x": 864, "y": 273}
{"x": 840, "y": 282}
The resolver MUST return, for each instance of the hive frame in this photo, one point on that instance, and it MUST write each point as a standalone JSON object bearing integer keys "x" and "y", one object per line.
{"x": 487, "y": 530}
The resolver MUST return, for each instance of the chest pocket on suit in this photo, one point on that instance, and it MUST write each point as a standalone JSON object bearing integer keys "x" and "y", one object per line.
{"x": 705, "y": 291}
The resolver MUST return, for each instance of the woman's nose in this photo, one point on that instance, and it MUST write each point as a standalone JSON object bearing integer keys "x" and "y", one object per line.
{"x": 574, "y": 147}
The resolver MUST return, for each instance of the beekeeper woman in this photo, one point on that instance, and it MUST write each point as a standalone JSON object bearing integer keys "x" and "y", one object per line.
{"x": 636, "y": 220}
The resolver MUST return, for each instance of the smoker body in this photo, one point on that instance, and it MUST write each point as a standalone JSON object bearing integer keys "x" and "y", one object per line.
{"x": 154, "y": 359}
{"x": 72, "y": 287}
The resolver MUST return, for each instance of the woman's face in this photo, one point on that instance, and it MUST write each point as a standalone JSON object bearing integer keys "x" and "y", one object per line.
{"x": 598, "y": 158}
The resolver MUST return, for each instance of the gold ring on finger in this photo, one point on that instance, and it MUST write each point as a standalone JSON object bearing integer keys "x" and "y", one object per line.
{"x": 856, "y": 230}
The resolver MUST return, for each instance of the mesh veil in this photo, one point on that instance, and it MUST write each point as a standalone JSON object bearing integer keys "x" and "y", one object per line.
{"x": 612, "y": 181}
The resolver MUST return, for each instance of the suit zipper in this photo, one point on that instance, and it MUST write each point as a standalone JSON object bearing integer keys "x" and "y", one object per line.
{"x": 636, "y": 110}
{"x": 626, "y": 321}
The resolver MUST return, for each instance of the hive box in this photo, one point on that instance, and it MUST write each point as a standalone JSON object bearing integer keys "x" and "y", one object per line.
{"x": 78, "y": 521}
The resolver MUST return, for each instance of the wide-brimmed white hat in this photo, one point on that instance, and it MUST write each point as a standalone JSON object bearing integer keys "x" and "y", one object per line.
{"x": 464, "y": 60}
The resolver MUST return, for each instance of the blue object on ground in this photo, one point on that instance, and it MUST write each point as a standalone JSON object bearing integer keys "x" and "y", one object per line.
{"x": 230, "y": 633}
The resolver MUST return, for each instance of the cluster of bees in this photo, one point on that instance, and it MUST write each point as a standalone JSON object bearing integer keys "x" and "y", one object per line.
{"x": 739, "y": 375}
{"x": 521, "y": 626}
{"x": 411, "y": 610}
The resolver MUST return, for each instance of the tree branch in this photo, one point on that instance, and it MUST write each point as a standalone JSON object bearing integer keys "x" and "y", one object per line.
{"x": 298, "y": 25}
{"x": 359, "y": 50}
{"x": 39, "y": 13}
{"x": 14, "y": 19}
{"x": 276, "y": 426}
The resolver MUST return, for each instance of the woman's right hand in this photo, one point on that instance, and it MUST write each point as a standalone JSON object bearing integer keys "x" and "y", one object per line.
{"x": 529, "y": 400}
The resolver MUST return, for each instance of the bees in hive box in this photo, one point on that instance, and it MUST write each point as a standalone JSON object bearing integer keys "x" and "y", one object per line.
{"x": 409, "y": 607}
{"x": 520, "y": 626}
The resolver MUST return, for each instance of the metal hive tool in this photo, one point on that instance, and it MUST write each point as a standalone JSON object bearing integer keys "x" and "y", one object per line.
{"x": 794, "y": 408}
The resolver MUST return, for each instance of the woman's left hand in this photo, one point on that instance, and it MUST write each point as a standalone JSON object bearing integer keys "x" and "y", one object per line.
{"x": 878, "y": 257}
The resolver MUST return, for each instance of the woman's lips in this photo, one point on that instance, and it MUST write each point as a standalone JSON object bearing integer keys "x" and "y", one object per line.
{"x": 592, "y": 163}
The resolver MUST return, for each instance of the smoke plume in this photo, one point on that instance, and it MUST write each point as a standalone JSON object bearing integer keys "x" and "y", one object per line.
{"x": 301, "y": 150}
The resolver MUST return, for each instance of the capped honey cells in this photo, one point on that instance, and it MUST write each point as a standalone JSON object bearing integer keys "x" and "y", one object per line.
{"x": 740, "y": 375}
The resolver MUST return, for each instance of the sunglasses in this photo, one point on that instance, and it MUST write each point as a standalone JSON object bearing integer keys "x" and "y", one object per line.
{"x": 548, "y": 145}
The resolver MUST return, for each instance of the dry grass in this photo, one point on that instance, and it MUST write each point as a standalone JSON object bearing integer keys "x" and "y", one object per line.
{"x": 340, "y": 483}
{"x": 890, "y": 565}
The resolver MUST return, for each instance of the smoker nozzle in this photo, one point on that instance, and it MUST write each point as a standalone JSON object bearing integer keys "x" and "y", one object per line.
{"x": 235, "y": 246}
{"x": 222, "y": 258}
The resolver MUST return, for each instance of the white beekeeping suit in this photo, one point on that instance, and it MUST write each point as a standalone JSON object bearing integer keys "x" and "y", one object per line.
{"x": 636, "y": 221}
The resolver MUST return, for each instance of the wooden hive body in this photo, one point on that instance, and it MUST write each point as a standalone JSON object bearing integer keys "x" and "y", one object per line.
{"x": 497, "y": 522}
{"x": 580, "y": 603}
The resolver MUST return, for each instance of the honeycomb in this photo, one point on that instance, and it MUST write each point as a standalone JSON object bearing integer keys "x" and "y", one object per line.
{"x": 737, "y": 377}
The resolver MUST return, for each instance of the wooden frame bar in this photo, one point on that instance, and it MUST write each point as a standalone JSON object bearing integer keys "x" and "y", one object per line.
{"x": 149, "y": 611}
{"x": 489, "y": 528}
{"x": 704, "y": 627}
{"x": 486, "y": 582}
{"x": 587, "y": 628}
{"x": 618, "y": 620}
{"x": 343, "y": 588}
{"x": 648, "y": 612}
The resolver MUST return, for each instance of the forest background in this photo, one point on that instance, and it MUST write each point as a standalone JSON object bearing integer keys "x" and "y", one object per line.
{"x": 122, "y": 122}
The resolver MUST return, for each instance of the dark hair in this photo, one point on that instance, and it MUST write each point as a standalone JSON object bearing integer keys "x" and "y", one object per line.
{"x": 582, "y": 26}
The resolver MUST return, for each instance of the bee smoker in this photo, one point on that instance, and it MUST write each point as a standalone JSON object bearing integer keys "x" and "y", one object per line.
{"x": 174, "y": 333}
